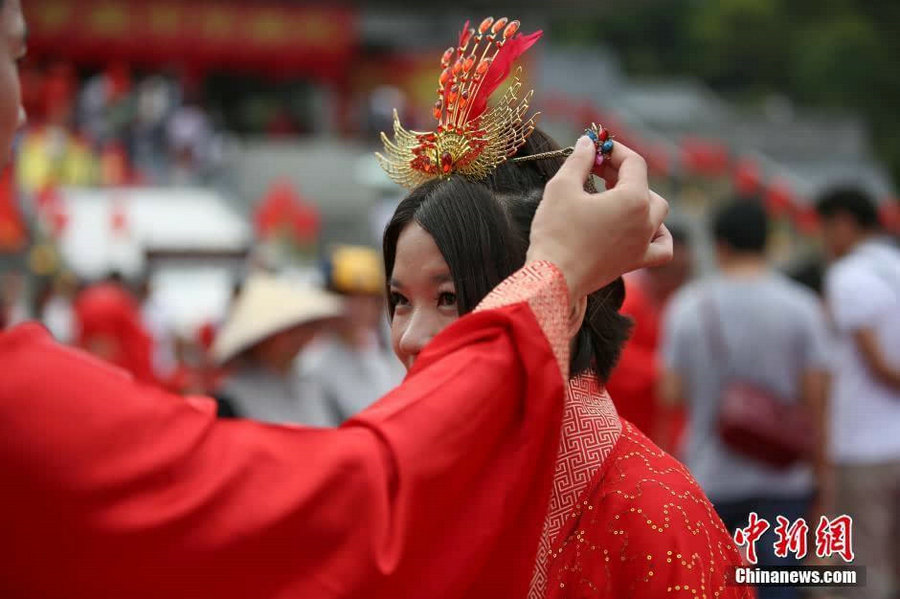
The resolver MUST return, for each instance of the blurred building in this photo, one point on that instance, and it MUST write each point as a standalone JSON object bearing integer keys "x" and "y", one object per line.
{"x": 189, "y": 242}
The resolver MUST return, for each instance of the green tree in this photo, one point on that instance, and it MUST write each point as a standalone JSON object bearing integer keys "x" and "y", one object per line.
{"x": 822, "y": 53}
{"x": 738, "y": 45}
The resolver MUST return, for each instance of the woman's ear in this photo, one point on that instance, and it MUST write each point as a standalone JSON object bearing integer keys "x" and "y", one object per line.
{"x": 576, "y": 317}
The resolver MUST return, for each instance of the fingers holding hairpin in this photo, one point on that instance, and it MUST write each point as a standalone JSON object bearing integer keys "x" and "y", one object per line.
{"x": 577, "y": 167}
{"x": 623, "y": 166}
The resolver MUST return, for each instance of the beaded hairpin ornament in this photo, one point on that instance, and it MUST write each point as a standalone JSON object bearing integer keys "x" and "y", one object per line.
{"x": 603, "y": 144}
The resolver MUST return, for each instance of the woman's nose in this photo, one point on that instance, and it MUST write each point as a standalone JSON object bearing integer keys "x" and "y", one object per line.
{"x": 421, "y": 330}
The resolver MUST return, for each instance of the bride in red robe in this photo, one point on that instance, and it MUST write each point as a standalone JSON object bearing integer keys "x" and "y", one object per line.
{"x": 625, "y": 519}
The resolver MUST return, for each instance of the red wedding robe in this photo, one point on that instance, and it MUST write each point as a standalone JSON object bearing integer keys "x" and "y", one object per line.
{"x": 116, "y": 490}
{"x": 626, "y": 520}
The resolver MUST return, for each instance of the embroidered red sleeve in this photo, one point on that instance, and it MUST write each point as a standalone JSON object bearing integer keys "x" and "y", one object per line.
{"x": 543, "y": 287}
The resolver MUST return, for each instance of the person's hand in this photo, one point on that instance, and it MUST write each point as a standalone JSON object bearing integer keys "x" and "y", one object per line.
{"x": 595, "y": 238}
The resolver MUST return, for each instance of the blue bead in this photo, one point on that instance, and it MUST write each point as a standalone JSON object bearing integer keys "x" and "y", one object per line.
{"x": 591, "y": 134}
{"x": 607, "y": 146}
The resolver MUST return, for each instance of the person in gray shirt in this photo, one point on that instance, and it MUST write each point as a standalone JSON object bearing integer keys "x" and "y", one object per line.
{"x": 748, "y": 323}
{"x": 270, "y": 323}
{"x": 351, "y": 366}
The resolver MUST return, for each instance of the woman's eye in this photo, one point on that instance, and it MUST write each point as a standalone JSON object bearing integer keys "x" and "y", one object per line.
{"x": 447, "y": 299}
{"x": 398, "y": 299}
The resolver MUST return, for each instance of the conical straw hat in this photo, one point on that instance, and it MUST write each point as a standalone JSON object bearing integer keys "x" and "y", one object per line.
{"x": 269, "y": 305}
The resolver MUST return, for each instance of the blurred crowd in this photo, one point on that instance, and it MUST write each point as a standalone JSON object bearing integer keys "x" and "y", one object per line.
{"x": 113, "y": 127}
{"x": 309, "y": 349}
{"x": 817, "y": 347}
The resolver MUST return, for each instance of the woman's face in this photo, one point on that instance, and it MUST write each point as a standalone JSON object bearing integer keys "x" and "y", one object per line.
{"x": 422, "y": 289}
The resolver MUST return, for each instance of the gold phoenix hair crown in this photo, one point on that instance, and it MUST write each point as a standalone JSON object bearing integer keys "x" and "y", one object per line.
{"x": 470, "y": 139}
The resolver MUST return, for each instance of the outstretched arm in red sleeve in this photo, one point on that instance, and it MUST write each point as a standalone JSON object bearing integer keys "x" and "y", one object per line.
{"x": 119, "y": 490}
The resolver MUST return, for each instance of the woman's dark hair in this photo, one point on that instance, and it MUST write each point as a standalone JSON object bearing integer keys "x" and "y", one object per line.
{"x": 482, "y": 230}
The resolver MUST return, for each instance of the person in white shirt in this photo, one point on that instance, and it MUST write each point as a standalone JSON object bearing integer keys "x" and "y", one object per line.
{"x": 862, "y": 291}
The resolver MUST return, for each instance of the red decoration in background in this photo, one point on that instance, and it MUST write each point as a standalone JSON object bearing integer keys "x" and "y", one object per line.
{"x": 118, "y": 80}
{"x": 658, "y": 160}
{"x": 114, "y": 167}
{"x": 59, "y": 90}
{"x": 59, "y": 219}
{"x": 118, "y": 217}
{"x": 31, "y": 83}
{"x": 747, "y": 177}
{"x": 282, "y": 209}
{"x": 13, "y": 234}
{"x": 274, "y": 36}
{"x": 779, "y": 198}
{"x": 52, "y": 210}
{"x": 806, "y": 219}
{"x": 705, "y": 156}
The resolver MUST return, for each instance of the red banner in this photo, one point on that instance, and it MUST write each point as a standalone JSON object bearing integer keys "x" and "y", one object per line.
{"x": 315, "y": 40}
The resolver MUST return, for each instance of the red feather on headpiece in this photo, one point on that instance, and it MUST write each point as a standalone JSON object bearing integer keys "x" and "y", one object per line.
{"x": 464, "y": 34}
{"x": 500, "y": 69}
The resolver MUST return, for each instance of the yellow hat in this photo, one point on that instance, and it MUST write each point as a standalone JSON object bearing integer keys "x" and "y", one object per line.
{"x": 356, "y": 270}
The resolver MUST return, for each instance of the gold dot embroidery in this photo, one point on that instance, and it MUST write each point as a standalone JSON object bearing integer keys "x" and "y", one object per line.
{"x": 579, "y": 574}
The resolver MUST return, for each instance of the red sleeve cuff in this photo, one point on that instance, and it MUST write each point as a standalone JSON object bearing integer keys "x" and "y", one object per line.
{"x": 543, "y": 287}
